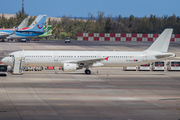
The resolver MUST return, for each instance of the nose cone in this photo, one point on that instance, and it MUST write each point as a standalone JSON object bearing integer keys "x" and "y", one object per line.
{"x": 6, "y": 61}
{"x": 3, "y": 60}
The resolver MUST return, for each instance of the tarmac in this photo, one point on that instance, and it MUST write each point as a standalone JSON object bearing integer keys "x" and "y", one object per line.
{"x": 106, "y": 94}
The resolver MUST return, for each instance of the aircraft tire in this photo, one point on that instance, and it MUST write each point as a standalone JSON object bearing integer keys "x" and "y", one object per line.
{"x": 87, "y": 71}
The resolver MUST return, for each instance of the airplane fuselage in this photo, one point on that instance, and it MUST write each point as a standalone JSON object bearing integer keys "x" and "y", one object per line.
{"x": 20, "y": 35}
{"x": 5, "y": 33}
{"x": 58, "y": 58}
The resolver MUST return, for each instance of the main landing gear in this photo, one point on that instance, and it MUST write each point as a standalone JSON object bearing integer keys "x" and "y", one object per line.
{"x": 87, "y": 71}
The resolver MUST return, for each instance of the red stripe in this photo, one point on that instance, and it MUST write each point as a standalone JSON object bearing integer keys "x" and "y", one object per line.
{"x": 25, "y": 28}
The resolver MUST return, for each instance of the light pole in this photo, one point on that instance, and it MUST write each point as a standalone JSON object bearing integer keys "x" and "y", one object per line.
{"x": 22, "y": 6}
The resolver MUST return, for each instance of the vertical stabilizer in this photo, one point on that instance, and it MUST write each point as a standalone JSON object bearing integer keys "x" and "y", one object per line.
{"x": 162, "y": 42}
{"x": 24, "y": 23}
{"x": 36, "y": 26}
{"x": 37, "y": 19}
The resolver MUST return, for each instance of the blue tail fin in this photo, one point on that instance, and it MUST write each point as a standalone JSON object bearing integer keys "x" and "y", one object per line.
{"x": 35, "y": 21}
{"x": 37, "y": 25}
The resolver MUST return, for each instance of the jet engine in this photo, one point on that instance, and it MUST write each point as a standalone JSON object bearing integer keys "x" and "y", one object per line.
{"x": 69, "y": 67}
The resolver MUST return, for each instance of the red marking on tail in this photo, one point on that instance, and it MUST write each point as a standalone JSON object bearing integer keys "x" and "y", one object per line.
{"x": 39, "y": 27}
{"x": 107, "y": 58}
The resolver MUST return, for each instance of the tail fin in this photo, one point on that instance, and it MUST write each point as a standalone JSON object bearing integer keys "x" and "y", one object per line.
{"x": 162, "y": 42}
{"x": 35, "y": 21}
{"x": 24, "y": 23}
{"x": 47, "y": 32}
{"x": 48, "y": 28}
{"x": 37, "y": 25}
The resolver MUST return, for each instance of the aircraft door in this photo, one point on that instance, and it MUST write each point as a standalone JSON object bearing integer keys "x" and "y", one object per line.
{"x": 21, "y": 55}
{"x": 144, "y": 56}
{"x": 55, "y": 56}
{"x": 98, "y": 55}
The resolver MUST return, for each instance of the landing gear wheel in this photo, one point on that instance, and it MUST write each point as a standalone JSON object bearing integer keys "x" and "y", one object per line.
{"x": 87, "y": 71}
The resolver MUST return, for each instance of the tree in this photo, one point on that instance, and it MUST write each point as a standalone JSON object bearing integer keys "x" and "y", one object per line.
{"x": 20, "y": 16}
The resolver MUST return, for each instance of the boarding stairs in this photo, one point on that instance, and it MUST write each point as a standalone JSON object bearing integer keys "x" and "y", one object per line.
{"x": 17, "y": 66}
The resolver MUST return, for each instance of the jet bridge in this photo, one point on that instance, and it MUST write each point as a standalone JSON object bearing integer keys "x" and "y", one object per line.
{"x": 17, "y": 66}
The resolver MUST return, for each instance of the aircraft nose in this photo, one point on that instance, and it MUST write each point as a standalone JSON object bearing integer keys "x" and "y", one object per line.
{"x": 3, "y": 60}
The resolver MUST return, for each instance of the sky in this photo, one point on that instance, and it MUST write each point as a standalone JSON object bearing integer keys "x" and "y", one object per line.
{"x": 81, "y": 8}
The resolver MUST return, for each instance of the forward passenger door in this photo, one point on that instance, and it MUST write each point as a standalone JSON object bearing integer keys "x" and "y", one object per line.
{"x": 55, "y": 56}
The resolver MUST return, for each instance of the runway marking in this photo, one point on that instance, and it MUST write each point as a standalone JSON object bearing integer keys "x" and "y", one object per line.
{"x": 74, "y": 111}
{"x": 63, "y": 104}
{"x": 47, "y": 91}
{"x": 98, "y": 86}
{"x": 157, "y": 105}
{"x": 56, "y": 98}
{"x": 177, "y": 108}
{"x": 129, "y": 99}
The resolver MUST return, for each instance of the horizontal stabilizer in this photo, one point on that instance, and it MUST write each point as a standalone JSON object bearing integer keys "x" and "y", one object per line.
{"x": 165, "y": 55}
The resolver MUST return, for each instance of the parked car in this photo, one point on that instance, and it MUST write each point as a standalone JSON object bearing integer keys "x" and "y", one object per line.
{"x": 160, "y": 65}
{"x": 144, "y": 67}
{"x": 67, "y": 40}
{"x": 130, "y": 68}
{"x": 173, "y": 65}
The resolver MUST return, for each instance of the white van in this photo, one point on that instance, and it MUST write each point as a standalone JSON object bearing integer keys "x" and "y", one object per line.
{"x": 133, "y": 68}
{"x": 144, "y": 67}
{"x": 159, "y": 65}
{"x": 173, "y": 65}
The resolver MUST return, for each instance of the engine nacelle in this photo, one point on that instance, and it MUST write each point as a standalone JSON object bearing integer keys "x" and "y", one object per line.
{"x": 69, "y": 67}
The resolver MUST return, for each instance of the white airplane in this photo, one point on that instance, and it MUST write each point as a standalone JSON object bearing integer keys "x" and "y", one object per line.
{"x": 73, "y": 60}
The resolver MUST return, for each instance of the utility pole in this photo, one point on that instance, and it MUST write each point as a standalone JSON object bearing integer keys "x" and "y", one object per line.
{"x": 22, "y": 6}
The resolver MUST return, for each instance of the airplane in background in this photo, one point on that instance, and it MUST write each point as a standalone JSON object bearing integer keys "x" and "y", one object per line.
{"x": 5, "y": 32}
{"x": 35, "y": 29}
{"x": 47, "y": 32}
{"x": 73, "y": 60}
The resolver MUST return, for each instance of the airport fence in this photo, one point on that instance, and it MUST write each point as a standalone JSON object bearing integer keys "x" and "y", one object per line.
{"x": 122, "y": 37}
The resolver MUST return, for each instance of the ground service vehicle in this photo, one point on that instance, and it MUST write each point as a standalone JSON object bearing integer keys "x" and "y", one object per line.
{"x": 38, "y": 68}
{"x": 173, "y": 65}
{"x": 159, "y": 65}
{"x": 30, "y": 68}
{"x": 50, "y": 68}
{"x": 130, "y": 68}
{"x": 144, "y": 67}
{"x": 3, "y": 70}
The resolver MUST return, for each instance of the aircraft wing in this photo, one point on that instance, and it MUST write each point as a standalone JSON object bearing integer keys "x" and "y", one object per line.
{"x": 88, "y": 62}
